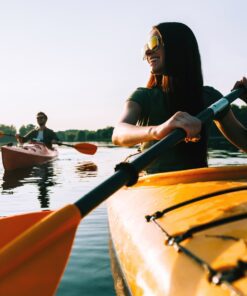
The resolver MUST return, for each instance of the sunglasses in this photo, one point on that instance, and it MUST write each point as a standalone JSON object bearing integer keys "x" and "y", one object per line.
{"x": 153, "y": 45}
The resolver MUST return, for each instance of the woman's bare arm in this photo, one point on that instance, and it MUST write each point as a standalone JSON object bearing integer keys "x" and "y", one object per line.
{"x": 233, "y": 130}
{"x": 126, "y": 133}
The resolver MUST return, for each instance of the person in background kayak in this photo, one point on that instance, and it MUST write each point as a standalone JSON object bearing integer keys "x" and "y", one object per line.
{"x": 173, "y": 96}
{"x": 40, "y": 134}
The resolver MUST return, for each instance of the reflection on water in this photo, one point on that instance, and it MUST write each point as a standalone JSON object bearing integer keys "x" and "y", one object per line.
{"x": 226, "y": 154}
{"x": 43, "y": 176}
{"x": 86, "y": 169}
{"x": 226, "y": 157}
{"x": 13, "y": 179}
{"x": 222, "y": 152}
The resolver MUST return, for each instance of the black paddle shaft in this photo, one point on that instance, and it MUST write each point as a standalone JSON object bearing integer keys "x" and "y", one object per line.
{"x": 123, "y": 176}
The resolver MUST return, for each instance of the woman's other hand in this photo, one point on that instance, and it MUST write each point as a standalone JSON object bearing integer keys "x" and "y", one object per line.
{"x": 241, "y": 83}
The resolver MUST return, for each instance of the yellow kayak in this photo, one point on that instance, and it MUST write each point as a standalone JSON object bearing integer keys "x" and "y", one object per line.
{"x": 182, "y": 233}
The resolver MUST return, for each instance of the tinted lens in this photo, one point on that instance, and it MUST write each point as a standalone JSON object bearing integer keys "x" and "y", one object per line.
{"x": 153, "y": 43}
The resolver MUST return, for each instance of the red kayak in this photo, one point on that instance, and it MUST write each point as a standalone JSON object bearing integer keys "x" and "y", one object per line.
{"x": 28, "y": 155}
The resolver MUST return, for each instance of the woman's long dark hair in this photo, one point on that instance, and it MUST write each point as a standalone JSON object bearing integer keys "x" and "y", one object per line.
{"x": 182, "y": 79}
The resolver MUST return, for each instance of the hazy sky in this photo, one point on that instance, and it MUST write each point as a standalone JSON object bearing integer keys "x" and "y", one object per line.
{"x": 78, "y": 60}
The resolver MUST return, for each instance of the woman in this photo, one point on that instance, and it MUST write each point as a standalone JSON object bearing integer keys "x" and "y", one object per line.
{"x": 174, "y": 94}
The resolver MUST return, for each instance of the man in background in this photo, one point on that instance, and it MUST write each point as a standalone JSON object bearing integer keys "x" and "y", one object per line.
{"x": 40, "y": 134}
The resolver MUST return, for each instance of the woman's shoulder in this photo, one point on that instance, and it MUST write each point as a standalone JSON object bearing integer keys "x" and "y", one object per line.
{"x": 144, "y": 91}
{"x": 210, "y": 94}
{"x": 141, "y": 95}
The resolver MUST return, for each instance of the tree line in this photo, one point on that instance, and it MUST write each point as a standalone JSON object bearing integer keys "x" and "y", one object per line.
{"x": 71, "y": 135}
{"x": 104, "y": 135}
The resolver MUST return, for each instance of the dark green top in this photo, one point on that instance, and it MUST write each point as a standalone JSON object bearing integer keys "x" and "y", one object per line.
{"x": 49, "y": 135}
{"x": 154, "y": 111}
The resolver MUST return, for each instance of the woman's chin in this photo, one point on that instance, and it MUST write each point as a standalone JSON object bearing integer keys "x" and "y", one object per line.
{"x": 156, "y": 71}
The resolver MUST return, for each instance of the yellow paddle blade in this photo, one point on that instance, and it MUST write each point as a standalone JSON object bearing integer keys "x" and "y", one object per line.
{"x": 86, "y": 148}
{"x": 34, "y": 261}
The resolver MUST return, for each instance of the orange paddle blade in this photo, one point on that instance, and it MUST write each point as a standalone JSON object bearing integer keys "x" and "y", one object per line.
{"x": 2, "y": 134}
{"x": 12, "y": 226}
{"x": 34, "y": 261}
{"x": 86, "y": 148}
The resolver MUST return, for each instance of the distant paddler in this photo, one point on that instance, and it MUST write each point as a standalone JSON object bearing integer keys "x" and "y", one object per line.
{"x": 41, "y": 134}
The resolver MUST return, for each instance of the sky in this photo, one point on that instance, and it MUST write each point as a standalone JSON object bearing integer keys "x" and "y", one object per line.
{"x": 78, "y": 61}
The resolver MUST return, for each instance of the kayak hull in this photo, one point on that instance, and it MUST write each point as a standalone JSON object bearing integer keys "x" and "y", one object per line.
{"x": 151, "y": 261}
{"x": 14, "y": 157}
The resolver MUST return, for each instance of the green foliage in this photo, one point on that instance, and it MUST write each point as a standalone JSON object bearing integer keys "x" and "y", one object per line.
{"x": 8, "y": 129}
{"x": 101, "y": 135}
{"x": 61, "y": 136}
{"x": 105, "y": 134}
{"x": 69, "y": 137}
{"x": 80, "y": 136}
{"x": 11, "y": 130}
{"x": 24, "y": 129}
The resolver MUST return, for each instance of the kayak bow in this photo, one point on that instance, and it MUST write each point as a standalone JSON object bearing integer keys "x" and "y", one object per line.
{"x": 28, "y": 155}
{"x": 196, "y": 242}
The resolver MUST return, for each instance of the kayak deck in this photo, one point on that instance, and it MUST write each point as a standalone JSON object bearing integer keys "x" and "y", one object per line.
{"x": 197, "y": 230}
{"x": 15, "y": 157}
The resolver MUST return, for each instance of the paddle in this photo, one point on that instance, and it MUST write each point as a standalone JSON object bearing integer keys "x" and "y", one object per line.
{"x": 85, "y": 148}
{"x": 2, "y": 134}
{"x": 32, "y": 262}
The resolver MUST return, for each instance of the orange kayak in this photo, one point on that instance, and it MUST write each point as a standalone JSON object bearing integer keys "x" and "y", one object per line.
{"x": 15, "y": 157}
{"x": 181, "y": 233}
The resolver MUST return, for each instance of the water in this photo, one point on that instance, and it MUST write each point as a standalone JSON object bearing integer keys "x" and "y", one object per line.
{"x": 64, "y": 181}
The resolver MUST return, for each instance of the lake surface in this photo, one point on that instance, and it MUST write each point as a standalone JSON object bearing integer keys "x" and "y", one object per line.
{"x": 64, "y": 181}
